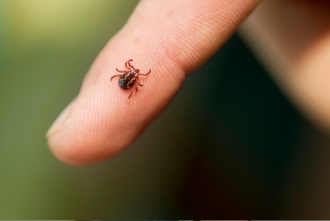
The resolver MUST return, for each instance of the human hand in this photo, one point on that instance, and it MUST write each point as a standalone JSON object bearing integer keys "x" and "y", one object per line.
{"x": 172, "y": 38}
{"x": 292, "y": 39}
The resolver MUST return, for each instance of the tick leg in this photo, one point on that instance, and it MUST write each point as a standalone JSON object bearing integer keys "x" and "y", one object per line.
{"x": 136, "y": 87}
{"x": 121, "y": 71}
{"x": 145, "y": 74}
{"x": 130, "y": 93}
{"x": 115, "y": 76}
{"x": 129, "y": 64}
{"x": 139, "y": 82}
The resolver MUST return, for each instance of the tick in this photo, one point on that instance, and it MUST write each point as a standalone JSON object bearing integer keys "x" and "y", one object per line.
{"x": 129, "y": 78}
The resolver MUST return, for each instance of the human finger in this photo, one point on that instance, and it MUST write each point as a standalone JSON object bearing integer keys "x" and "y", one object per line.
{"x": 170, "y": 38}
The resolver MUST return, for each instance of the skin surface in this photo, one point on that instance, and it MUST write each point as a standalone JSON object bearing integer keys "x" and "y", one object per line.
{"x": 292, "y": 39}
{"x": 172, "y": 38}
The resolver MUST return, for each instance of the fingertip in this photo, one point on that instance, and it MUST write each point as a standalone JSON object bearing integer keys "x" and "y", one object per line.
{"x": 59, "y": 122}
{"x": 74, "y": 155}
{"x": 79, "y": 150}
{"x": 104, "y": 122}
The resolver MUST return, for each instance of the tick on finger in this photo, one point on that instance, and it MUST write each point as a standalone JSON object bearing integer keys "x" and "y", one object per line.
{"x": 129, "y": 79}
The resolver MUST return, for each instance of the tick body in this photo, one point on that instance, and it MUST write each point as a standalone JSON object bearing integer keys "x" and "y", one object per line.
{"x": 130, "y": 78}
{"x": 127, "y": 80}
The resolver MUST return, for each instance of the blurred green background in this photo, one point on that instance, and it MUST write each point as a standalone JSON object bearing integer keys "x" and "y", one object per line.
{"x": 229, "y": 146}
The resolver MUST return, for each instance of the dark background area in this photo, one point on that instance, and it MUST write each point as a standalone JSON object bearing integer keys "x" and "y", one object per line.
{"x": 248, "y": 129}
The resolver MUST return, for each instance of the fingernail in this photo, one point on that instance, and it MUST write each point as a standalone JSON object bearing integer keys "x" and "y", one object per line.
{"x": 59, "y": 122}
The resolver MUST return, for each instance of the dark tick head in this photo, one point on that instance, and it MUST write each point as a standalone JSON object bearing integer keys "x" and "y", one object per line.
{"x": 137, "y": 70}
